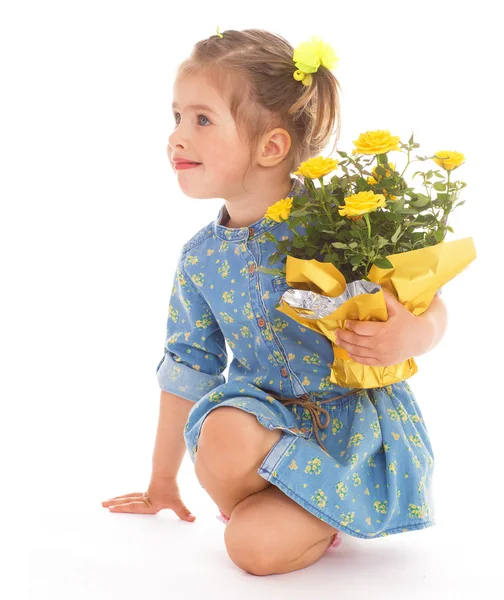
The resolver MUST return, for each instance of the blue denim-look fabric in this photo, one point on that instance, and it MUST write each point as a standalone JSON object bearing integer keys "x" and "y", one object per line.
{"x": 376, "y": 477}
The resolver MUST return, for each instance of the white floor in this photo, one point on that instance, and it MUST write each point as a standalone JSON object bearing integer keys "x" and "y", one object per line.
{"x": 78, "y": 550}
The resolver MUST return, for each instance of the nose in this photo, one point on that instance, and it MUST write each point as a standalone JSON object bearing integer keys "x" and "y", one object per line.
{"x": 177, "y": 138}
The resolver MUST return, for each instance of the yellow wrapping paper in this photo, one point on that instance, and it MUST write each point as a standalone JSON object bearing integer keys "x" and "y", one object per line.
{"x": 414, "y": 280}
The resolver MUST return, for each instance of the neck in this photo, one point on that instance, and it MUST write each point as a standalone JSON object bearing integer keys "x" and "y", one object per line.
{"x": 252, "y": 207}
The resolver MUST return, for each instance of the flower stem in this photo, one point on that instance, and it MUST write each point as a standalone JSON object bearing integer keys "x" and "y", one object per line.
{"x": 328, "y": 212}
{"x": 366, "y": 216}
{"x": 445, "y": 214}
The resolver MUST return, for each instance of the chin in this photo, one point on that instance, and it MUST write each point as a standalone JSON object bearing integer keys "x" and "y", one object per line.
{"x": 193, "y": 193}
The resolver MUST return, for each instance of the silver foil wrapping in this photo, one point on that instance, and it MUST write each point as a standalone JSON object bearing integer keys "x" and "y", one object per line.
{"x": 321, "y": 305}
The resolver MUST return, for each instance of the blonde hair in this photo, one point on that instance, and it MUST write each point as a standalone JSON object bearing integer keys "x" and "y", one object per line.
{"x": 252, "y": 70}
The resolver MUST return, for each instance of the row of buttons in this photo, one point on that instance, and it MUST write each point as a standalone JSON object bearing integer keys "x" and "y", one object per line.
{"x": 261, "y": 322}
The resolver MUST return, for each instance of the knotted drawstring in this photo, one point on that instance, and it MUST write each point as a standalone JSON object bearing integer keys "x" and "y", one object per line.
{"x": 314, "y": 409}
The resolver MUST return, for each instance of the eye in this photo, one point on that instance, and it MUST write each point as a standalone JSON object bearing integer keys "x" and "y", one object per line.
{"x": 199, "y": 116}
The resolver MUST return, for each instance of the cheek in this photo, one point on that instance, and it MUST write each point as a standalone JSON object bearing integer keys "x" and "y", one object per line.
{"x": 229, "y": 154}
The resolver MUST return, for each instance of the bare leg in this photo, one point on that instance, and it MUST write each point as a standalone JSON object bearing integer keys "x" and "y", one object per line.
{"x": 231, "y": 448}
{"x": 269, "y": 533}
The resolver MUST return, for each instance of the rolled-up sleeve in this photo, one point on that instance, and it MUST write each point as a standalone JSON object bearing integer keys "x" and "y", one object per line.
{"x": 195, "y": 350}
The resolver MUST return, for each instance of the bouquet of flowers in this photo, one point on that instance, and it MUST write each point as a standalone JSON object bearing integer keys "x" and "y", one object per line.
{"x": 364, "y": 231}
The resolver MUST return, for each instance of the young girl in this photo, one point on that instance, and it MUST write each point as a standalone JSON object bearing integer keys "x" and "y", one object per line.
{"x": 291, "y": 459}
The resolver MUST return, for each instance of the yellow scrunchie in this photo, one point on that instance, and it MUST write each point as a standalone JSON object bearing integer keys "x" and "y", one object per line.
{"x": 308, "y": 56}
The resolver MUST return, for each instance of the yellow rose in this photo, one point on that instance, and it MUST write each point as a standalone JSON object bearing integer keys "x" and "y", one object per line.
{"x": 376, "y": 142}
{"x": 449, "y": 159}
{"x": 309, "y": 55}
{"x": 280, "y": 210}
{"x": 316, "y": 167}
{"x": 361, "y": 203}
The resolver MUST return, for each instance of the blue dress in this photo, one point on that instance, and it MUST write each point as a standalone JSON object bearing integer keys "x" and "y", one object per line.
{"x": 361, "y": 459}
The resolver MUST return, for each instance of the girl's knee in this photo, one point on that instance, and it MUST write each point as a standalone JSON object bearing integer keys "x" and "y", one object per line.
{"x": 251, "y": 547}
{"x": 233, "y": 440}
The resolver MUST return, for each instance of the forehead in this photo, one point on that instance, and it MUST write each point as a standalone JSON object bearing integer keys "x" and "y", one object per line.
{"x": 196, "y": 91}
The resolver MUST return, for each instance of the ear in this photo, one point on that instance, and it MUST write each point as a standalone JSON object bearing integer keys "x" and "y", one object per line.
{"x": 274, "y": 147}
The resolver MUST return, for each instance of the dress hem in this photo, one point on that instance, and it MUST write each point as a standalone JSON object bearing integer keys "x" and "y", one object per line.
{"x": 273, "y": 458}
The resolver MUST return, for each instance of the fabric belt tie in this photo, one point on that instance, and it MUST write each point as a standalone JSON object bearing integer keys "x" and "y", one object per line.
{"x": 314, "y": 409}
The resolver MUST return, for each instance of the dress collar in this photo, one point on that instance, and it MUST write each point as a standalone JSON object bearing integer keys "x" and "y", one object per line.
{"x": 260, "y": 226}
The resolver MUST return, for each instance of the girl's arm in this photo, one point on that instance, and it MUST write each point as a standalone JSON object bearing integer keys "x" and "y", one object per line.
{"x": 435, "y": 319}
{"x": 163, "y": 491}
{"x": 170, "y": 444}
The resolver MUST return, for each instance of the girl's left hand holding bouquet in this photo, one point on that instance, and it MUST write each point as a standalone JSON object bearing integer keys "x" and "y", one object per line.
{"x": 403, "y": 335}
{"x": 163, "y": 490}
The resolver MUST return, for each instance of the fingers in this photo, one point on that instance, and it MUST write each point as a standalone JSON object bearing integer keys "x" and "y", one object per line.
{"x": 133, "y": 507}
{"x": 137, "y": 502}
{"x": 181, "y": 510}
{"x": 133, "y": 495}
{"x": 348, "y": 340}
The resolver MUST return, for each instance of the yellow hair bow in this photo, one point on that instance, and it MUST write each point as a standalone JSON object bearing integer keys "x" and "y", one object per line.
{"x": 218, "y": 33}
{"x": 308, "y": 56}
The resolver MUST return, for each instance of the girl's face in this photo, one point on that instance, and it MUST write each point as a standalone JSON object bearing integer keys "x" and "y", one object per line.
{"x": 206, "y": 133}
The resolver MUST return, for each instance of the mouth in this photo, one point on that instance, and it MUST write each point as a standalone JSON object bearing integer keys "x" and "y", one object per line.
{"x": 186, "y": 165}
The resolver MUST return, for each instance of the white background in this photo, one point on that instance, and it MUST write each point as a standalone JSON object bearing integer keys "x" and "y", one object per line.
{"x": 91, "y": 224}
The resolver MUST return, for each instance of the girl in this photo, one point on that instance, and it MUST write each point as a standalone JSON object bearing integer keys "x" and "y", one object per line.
{"x": 291, "y": 459}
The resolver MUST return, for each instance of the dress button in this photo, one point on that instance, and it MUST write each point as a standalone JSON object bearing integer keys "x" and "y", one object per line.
{"x": 261, "y": 322}
{"x": 251, "y": 231}
{"x": 252, "y": 269}
{"x": 284, "y": 372}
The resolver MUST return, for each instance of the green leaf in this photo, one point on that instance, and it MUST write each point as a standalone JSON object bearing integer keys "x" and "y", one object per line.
{"x": 440, "y": 187}
{"x": 395, "y": 237}
{"x": 438, "y": 236}
{"x": 301, "y": 212}
{"x": 298, "y": 242}
{"x": 422, "y": 200}
{"x": 339, "y": 245}
{"x": 383, "y": 263}
{"x": 270, "y": 271}
{"x": 397, "y": 206}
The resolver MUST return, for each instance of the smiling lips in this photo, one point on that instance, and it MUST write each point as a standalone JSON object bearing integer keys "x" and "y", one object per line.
{"x": 182, "y": 163}
{"x": 186, "y": 165}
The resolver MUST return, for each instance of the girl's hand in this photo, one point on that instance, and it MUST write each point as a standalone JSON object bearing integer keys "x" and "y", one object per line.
{"x": 161, "y": 494}
{"x": 385, "y": 343}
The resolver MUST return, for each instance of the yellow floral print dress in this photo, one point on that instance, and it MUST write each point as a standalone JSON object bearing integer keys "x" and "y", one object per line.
{"x": 374, "y": 476}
